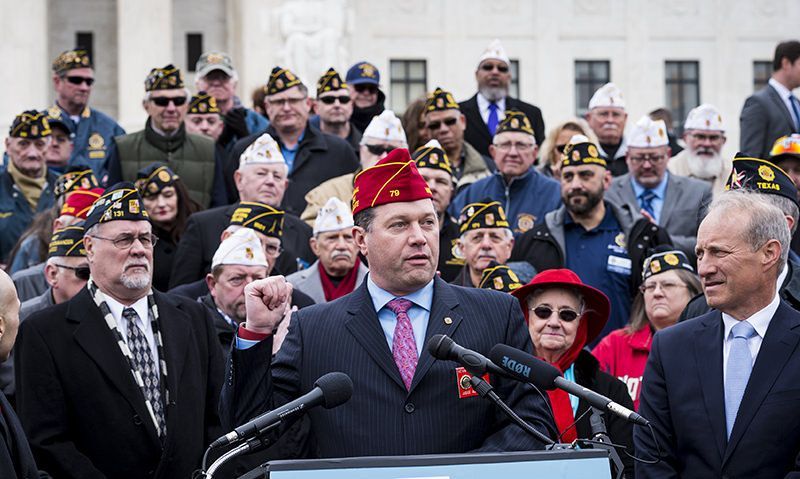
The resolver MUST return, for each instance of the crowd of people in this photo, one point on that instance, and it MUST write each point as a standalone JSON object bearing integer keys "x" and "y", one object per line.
{"x": 174, "y": 282}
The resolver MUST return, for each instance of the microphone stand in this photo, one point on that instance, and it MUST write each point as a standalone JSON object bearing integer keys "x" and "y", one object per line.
{"x": 600, "y": 440}
{"x": 486, "y": 390}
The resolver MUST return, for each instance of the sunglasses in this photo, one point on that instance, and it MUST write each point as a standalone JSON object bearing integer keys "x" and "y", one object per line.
{"x": 81, "y": 272}
{"x": 487, "y": 67}
{"x": 77, "y": 80}
{"x": 378, "y": 150}
{"x": 165, "y": 100}
{"x": 560, "y": 148}
{"x": 565, "y": 314}
{"x": 435, "y": 125}
{"x": 366, "y": 87}
{"x": 330, "y": 100}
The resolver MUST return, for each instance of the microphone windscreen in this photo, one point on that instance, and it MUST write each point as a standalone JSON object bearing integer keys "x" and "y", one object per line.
{"x": 336, "y": 389}
{"x": 524, "y": 366}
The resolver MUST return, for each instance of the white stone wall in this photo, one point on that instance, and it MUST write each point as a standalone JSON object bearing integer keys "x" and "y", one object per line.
{"x": 636, "y": 36}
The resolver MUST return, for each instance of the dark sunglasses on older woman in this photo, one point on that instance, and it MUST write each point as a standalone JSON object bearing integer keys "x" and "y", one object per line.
{"x": 564, "y": 314}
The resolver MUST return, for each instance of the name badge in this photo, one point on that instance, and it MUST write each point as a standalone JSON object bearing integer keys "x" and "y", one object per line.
{"x": 618, "y": 264}
{"x": 464, "y": 385}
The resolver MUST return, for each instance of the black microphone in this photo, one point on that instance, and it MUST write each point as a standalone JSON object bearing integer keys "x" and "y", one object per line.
{"x": 330, "y": 390}
{"x": 527, "y": 368}
{"x": 443, "y": 347}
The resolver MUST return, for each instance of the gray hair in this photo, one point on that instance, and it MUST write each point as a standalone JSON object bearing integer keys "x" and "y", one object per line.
{"x": 185, "y": 91}
{"x": 765, "y": 222}
{"x": 786, "y": 205}
{"x": 507, "y": 232}
{"x": 92, "y": 231}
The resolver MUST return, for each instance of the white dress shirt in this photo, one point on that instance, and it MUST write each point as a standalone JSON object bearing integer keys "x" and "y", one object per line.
{"x": 760, "y": 322}
{"x": 785, "y": 95}
{"x": 483, "y": 107}
{"x": 140, "y": 307}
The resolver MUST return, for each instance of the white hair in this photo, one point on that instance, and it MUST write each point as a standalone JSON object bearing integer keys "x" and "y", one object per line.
{"x": 506, "y": 232}
{"x": 185, "y": 91}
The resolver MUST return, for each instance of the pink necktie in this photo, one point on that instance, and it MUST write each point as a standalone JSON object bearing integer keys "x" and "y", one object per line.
{"x": 404, "y": 347}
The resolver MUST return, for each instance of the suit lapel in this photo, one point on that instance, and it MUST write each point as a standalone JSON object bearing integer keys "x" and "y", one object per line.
{"x": 442, "y": 307}
{"x": 175, "y": 327}
{"x": 96, "y": 339}
{"x": 673, "y": 194}
{"x": 777, "y": 347}
{"x": 363, "y": 324}
{"x": 473, "y": 113}
{"x": 708, "y": 351}
{"x": 781, "y": 106}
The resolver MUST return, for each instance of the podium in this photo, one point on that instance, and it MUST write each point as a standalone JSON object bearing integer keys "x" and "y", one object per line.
{"x": 558, "y": 464}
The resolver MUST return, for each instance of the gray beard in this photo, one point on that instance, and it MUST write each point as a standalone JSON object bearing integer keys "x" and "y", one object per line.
{"x": 704, "y": 167}
{"x": 494, "y": 94}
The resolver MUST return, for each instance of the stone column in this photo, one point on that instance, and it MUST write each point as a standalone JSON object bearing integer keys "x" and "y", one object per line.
{"x": 144, "y": 41}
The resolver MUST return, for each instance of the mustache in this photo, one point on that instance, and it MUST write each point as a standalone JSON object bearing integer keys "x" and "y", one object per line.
{"x": 341, "y": 254}
{"x": 132, "y": 262}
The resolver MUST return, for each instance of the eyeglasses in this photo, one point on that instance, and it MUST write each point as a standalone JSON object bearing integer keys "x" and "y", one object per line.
{"x": 366, "y": 87}
{"x": 435, "y": 125}
{"x": 281, "y": 102}
{"x": 487, "y": 67}
{"x": 273, "y": 250}
{"x": 330, "y": 100}
{"x": 666, "y": 287}
{"x": 378, "y": 150}
{"x": 166, "y": 100}
{"x": 521, "y": 147}
{"x": 564, "y": 314}
{"x": 126, "y": 241}
{"x": 81, "y": 272}
{"x": 77, "y": 80}
{"x": 654, "y": 159}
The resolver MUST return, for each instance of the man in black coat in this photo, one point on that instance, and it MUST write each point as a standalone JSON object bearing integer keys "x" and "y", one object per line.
{"x": 485, "y": 109}
{"x": 16, "y": 459}
{"x": 261, "y": 177}
{"x": 414, "y": 403}
{"x": 312, "y": 156}
{"x": 120, "y": 381}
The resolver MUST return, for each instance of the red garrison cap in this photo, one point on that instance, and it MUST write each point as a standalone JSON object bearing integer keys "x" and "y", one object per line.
{"x": 394, "y": 179}
{"x": 79, "y": 201}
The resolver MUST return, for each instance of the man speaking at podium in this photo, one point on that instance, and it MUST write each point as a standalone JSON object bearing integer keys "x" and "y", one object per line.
{"x": 404, "y": 401}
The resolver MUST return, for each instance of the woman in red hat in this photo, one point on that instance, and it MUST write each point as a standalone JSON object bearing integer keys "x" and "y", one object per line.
{"x": 669, "y": 282}
{"x": 563, "y": 315}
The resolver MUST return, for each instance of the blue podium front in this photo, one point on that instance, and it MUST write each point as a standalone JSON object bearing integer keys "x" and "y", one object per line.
{"x": 566, "y": 464}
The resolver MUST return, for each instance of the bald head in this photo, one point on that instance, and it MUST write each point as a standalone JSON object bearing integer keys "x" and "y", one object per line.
{"x": 9, "y": 315}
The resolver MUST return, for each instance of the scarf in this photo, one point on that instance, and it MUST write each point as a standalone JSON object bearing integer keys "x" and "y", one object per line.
{"x": 562, "y": 407}
{"x": 31, "y": 187}
{"x": 345, "y": 286}
{"x": 100, "y": 300}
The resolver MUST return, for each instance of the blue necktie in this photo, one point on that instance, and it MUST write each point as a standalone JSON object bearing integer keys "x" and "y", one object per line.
{"x": 646, "y": 202}
{"x": 492, "y": 121}
{"x": 794, "y": 101}
{"x": 740, "y": 364}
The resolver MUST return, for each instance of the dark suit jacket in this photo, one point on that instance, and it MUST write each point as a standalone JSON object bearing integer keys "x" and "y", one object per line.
{"x": 477, "y": 133}
{"x": 320, "y": 157}
{"x": 84, "y": 415}
{"x": 763, "y": 120}
{"x": 683, "y": 397}
{"x": 201, "y": 239}
{"x": 685, "y": 204}
{"x": 382, "y": 417}
{"x": 16, "y": 459}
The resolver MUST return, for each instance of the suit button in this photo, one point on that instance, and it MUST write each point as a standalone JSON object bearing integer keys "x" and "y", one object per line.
{"x": 137, "y": 420}
{"x": 409, "y": 408}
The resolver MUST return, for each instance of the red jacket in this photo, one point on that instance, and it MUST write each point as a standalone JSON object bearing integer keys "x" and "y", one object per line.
{"x": 624, "y": 355}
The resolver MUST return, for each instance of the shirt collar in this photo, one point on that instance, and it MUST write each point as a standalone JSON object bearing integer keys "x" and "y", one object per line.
{"x": 759, "y": 320}
{"x": 660, "y": 190}
{"x": 483, "y": 103}
{"x": 139, "y": 306}
{"x": 422, "y": 297}
{"x": 784, "y": 92}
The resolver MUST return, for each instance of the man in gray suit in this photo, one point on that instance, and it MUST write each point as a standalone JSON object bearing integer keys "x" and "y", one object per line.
{"x": 673, "y": 202}
{"x": 338, "y": 270}
{"x": 773, "y": 111}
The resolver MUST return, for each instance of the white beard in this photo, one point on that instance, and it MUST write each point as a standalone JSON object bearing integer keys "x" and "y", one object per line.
{"x": 705, "y": 167}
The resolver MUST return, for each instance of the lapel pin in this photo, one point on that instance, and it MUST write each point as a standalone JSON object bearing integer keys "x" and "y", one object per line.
{"x": 448, "y": 320}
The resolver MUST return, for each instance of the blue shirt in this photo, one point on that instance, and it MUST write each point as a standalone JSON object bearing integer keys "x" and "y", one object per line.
{"x": 569, "y": 375}
{"x": 660, "y": 191}
{"x": 600, "y": 258}
{"x": 419, "y": 314}
{"x": 290, "y": 153}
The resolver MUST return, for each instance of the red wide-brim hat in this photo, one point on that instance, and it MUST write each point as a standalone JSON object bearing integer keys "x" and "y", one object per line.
{"x": 394, "y": 179}
{"x": 596, "y": 304}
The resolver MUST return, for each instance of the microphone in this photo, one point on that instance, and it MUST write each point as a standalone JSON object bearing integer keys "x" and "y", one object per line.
{"x": 527, "y": 368}
{"x": 330, "y": 390}
{"x": 443, "y": 347}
